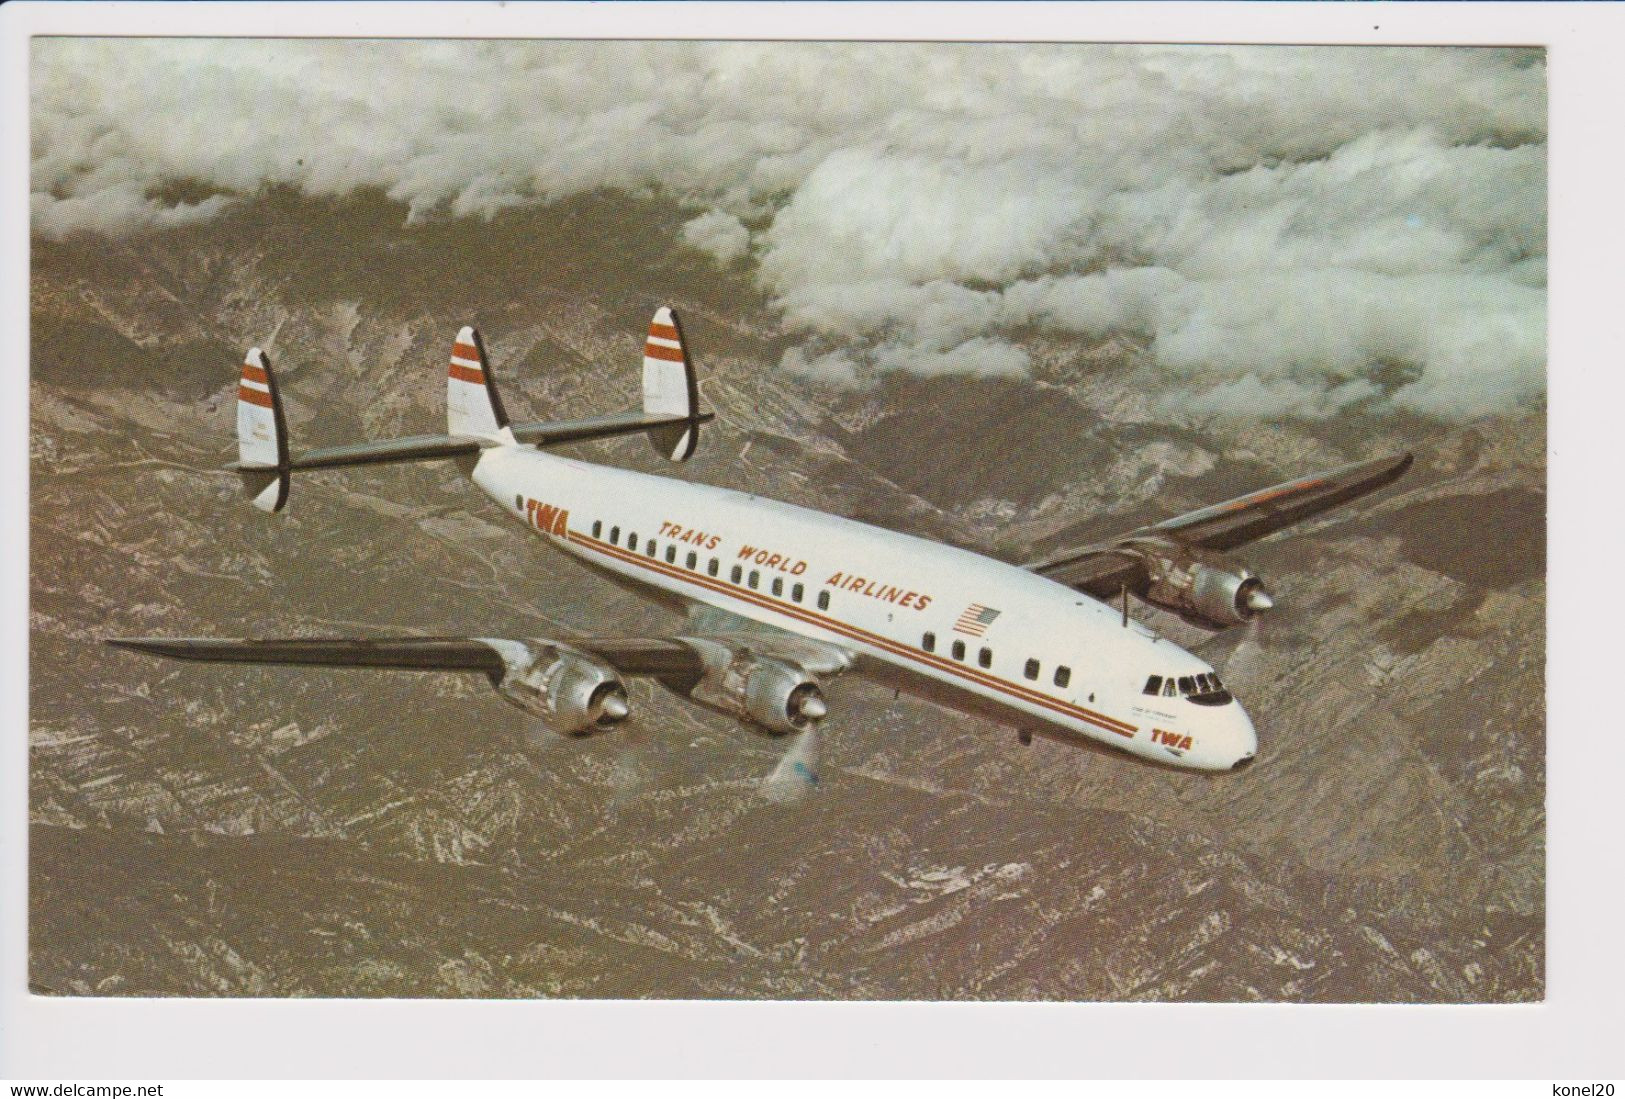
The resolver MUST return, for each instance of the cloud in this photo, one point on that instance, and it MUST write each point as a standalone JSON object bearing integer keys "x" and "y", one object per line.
{"x": 1289, "y": 229}
{"x": 723, "y": 236}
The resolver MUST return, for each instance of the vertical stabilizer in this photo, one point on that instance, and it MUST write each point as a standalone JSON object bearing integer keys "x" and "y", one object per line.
{"x": 262, "y": 434}
{"x": 669, "y": 388}
{"x": 473, "y": 406}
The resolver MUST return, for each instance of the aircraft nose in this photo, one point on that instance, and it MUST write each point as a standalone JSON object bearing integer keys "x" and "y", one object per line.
{"x": 1244, "y": 741}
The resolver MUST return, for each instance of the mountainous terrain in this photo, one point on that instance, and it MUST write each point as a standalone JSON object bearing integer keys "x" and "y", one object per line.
{"x": 205, "y": 830}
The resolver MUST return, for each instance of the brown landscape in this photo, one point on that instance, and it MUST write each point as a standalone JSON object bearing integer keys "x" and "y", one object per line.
{"x": 200, "y": 831}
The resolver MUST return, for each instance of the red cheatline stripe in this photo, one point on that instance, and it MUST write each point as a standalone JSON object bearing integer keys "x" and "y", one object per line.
{"x": 655, "y": 351}
{"x": 254, "y": 396}
{"x": 464, "y": 374}
{"x": 464, "y": 351}
{"x": 255, "y": 374}
{"x": 1110, "y": 724}
{"x": 664, "y": 331}
{"x": 1265, "y": 497}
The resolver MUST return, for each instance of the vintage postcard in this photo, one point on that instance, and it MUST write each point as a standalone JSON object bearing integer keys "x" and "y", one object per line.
{"x": 787, "y": 520}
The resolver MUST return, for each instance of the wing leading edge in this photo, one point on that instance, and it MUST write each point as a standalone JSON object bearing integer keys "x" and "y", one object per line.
{"x": 654, "y": 657}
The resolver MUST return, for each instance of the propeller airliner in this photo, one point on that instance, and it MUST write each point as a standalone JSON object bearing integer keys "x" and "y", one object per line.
{"x": 783, "y": 599}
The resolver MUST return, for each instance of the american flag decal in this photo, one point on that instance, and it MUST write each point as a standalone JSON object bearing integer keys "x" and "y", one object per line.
{"x": 976, "y": 620}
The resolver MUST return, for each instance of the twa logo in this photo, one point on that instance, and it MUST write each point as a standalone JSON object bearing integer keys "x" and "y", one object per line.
{"x": 547, "y": 518}
{"x": 1172, "y": 740}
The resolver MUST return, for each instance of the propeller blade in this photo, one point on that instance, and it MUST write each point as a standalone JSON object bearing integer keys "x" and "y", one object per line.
{"x": 1243, "y": 660}
{"x": 797, "y": 772}
{"x": 634, "y": 770}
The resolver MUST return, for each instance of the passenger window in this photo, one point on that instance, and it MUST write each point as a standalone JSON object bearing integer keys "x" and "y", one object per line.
{"x": 959, "y": 650}
{"x": 985, "y": 658}
{"x": 755, "y": 577}
{"x": 929, "y": 642}
{"x": 797, "y": 592}
{"x": 823, "y": 600}
{"x": 1153, "y": 685}
{"x": 736, "y": 574}
{"x": 1031, "y": 670}
{"x": 519, "y": 503}
{"x": 1186, "y": 685}
{"x": 651, "y": 549}
{"x": 711, "y": 569}
{"x": 693, "y": 559}
{"x": 632, "y": 541}
{"x": 597, "y": 527}
{"x": 1063, "y": 676}
{"x": 614, "y": 536}
{"x": 778, "y": 586}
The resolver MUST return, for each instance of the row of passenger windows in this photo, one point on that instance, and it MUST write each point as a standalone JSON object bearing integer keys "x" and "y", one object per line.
{"x": 1206, "y": 683}
{"x": 984, "y": 658}
{"x": 984, "y": 655}
{"x": 713, "y": 566}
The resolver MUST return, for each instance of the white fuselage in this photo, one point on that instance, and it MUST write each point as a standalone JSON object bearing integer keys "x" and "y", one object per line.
{"x": 1050, "y": 659}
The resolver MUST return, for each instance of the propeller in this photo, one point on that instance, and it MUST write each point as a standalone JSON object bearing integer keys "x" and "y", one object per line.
{"x": 1237, "y": 665}
{"x": 797, "y": 772}
{"x": 633, "y": 770}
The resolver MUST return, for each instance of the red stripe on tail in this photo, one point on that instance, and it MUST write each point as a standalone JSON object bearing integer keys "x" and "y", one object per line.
{"x": 254, "y": 396}
{"x": 655, "y": 351}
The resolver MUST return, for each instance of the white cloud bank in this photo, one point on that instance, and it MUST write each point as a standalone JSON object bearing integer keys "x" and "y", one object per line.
{"x": 1290, "y": 230}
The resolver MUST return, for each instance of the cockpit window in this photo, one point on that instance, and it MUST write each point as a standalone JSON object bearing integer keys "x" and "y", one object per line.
{"x": 1204, "y": 689}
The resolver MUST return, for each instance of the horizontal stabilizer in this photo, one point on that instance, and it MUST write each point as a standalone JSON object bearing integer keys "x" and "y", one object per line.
{"x": 603, "y": 427}
{"x": 415, "y": 448}
{"x": 475, "y": 417}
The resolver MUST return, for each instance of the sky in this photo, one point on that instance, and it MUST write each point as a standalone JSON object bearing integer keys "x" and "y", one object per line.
{"x": 1285, "y": 230}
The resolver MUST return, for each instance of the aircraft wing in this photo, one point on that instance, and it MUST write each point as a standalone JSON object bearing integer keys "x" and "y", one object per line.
{"x": 632, "y": 656}
{"x": 1101, "y": 569}
{"x": 763, "y": 676}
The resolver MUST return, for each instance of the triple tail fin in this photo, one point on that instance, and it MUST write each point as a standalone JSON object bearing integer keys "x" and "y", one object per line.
{"x": 475, "y": 417}
{"x": 262, "y": 435}
{"x": 473, "y": 405}
{"x": 669, "y": 387}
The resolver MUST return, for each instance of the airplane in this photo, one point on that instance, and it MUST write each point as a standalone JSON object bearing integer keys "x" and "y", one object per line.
{"x": 782, "y": 599}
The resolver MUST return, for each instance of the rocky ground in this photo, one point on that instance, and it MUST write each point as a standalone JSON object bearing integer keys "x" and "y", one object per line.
{"x": 203, "y": 830}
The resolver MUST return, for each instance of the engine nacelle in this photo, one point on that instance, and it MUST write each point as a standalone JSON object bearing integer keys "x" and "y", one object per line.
{"x": 573, "y": 693}
{"x": 777, "y": 695}
{"x": 1201, "y": 588}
